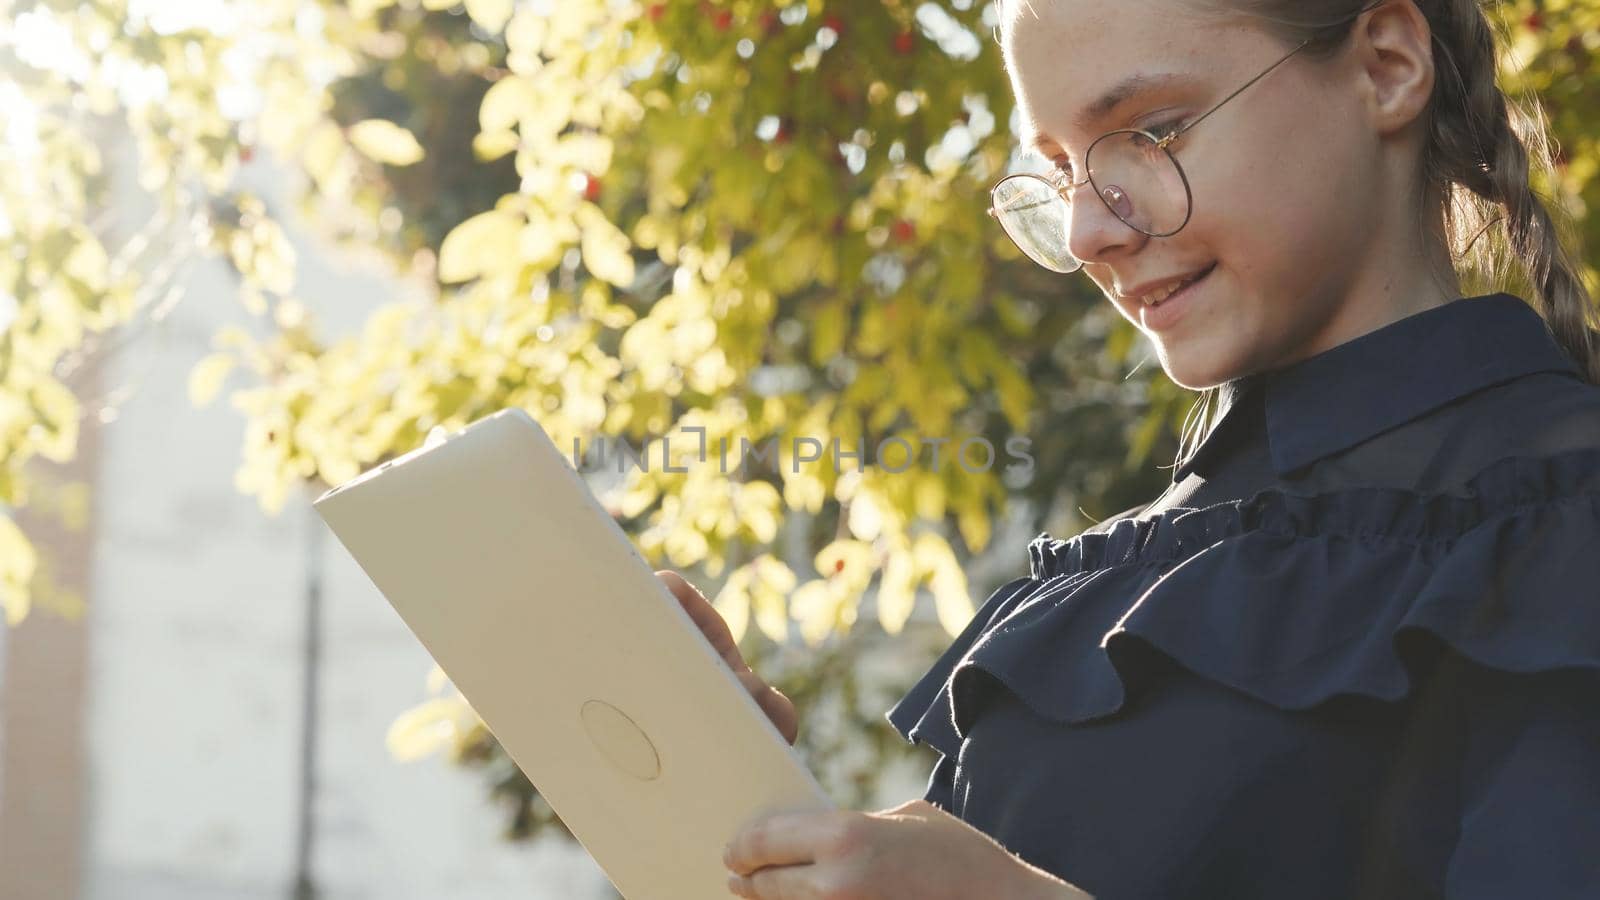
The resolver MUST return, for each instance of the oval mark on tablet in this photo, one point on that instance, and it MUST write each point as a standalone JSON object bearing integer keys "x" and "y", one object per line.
{"x": 620, "y": 741}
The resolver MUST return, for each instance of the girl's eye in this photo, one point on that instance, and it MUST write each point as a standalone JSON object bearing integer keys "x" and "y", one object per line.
{"x": 1164, "y": 130}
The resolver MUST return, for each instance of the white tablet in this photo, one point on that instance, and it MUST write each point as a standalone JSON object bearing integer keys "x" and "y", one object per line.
{"x": 580, "y": 661}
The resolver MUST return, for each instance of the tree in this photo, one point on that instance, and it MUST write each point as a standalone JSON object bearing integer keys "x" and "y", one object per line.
{"x": 764, "y": 220}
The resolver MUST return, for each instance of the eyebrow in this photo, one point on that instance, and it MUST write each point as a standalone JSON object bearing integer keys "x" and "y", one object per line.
{"x": 1122, "y": 92}
{"x": 1103, "y": 106}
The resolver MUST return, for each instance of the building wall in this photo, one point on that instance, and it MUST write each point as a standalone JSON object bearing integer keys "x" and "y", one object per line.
{"x": 188, "y": 726}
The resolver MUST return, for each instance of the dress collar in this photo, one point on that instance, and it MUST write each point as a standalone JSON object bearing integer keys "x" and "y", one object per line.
{"x": 1341, "y": 397}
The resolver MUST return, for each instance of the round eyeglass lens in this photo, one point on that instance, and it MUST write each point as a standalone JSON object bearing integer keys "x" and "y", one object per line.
{"x": 1036, "y": 218}
{"x": 1139, "y": 182}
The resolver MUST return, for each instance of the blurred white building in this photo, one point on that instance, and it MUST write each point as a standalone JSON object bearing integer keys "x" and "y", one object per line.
{"x": 152, "y": 750}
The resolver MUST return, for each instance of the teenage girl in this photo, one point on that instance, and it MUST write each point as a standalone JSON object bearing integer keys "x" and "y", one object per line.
{"x": 1353, "y": 650}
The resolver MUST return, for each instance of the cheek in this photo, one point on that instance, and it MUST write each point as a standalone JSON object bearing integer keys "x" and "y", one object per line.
{"x": 1273, "y": 207}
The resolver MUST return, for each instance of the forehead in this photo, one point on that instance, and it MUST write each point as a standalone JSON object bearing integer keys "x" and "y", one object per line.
{"x": 1063, "y": 55}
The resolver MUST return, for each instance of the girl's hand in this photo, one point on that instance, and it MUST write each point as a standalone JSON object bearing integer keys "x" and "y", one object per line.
{"x": 779, "y": 708}
{"x": 914, "y": 851}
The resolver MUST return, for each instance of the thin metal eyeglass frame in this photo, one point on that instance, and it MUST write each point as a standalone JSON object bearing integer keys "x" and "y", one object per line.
{"x": 1065, "y": 190}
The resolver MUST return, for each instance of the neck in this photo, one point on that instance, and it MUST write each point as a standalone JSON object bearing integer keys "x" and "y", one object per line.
{"x": 1408, "y": 269}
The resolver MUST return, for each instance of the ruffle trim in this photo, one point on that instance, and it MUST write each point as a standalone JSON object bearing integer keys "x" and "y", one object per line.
{"x": 1291, "y": 599}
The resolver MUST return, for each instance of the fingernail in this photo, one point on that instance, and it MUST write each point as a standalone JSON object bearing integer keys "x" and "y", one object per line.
{"x": 733, "y": 885}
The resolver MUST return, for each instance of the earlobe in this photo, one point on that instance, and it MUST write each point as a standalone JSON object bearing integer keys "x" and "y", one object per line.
{"x": 1395, "y": 50}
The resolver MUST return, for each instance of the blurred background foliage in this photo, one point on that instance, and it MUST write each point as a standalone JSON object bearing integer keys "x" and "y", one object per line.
{"x": 761, "y": 219}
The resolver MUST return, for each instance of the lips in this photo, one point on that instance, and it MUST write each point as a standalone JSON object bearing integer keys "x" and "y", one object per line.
{"x": 1173, "y": 289}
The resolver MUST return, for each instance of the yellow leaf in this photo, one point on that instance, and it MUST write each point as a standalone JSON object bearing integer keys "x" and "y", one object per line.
{"x": 88, "y": 263}
{"x": 756, "y": 504}
{"x": 590, "y": 152}
{"x": 322, "y": 150}
{"x": 865, "y": 519}
{"x": 490, "y": 14}
{"x": 897, "y": 592}
{"x": 206, "y": 378}
{"x": 479, "y": 245}
{"x": 815, "y": 606}
{"x": 802, "y": 490}
{"x": 386, "y": 142}
{"x": 437, "y": 680}
{"x": 774, "y": 573}
{"x": 973, "y": 520}
{"x": 638, "y": 496}
{"x": 929, "y": 495}
{"x": 18, "y": 561}
{"x": 605, "y": 251}
{"x": 733, "y": 602}
{"x": 848, "y": 560}
{"x": 59, "y": 411}
{"x": 429, "y": 727}
{"x": 933, "y": 558}
{"x": 686, "y": 546}
{"x": 525, "y": 37}
{"x": 505, "y": 102}
{"x": 488, "y": 146}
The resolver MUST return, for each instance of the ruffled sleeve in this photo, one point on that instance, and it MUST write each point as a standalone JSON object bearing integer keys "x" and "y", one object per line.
{"x": 1296, "y": 599}
{"x": 1529, "y": 788}
{"x": 919, "y": 715}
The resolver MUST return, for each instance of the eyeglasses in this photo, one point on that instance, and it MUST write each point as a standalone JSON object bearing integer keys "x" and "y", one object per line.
{"x": 1134, "y": 174}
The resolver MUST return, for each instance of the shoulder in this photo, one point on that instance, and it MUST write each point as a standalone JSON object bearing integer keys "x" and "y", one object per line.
{"x": 1543, "y": 415}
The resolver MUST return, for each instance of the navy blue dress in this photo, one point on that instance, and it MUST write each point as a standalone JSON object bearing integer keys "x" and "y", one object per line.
{"x": 1353, "y": 651}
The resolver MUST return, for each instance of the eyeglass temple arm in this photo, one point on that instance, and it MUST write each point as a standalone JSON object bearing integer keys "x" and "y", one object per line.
{"x": 1298, "y": 47}
{"x": 1174, "y": 135}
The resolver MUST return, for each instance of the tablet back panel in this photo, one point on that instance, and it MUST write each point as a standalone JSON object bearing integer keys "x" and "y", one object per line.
{"x": 579, "y": 660}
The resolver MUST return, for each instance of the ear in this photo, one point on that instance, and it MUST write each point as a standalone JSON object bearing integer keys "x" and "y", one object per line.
{"x": 1393, "y": 48}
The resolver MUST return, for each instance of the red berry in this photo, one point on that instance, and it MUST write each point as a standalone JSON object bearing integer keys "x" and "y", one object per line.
{"x": 835, "y": 24}
{"x": 785, "y": 131}
{"x": 655, "y": 11}
{"x": 591, "y": 188}
{"x": 1534, "y": 21}
{"x": 904, "y": 231}
{"x": 723, "y": 20}
{"x": 903, "y": 42}
{"x": 838, "y": 565}
{"x": 769, "y": 22}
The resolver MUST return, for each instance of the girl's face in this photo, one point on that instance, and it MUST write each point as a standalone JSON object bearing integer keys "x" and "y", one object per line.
{"x": 1284, "y": 176}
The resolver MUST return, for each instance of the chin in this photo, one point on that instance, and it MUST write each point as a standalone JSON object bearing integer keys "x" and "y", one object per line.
{"x": 1196, "y": 371}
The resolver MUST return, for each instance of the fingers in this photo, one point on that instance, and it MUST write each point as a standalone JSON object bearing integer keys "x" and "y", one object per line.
{"x": 782, "y": 839}
{"x": 706, "y": 617}
{"x": 777, "y": 883}
{"x": 778, "y": 707}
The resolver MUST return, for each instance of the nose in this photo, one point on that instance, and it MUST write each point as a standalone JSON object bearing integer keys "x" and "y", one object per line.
{"x": 1094, "y": 233}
